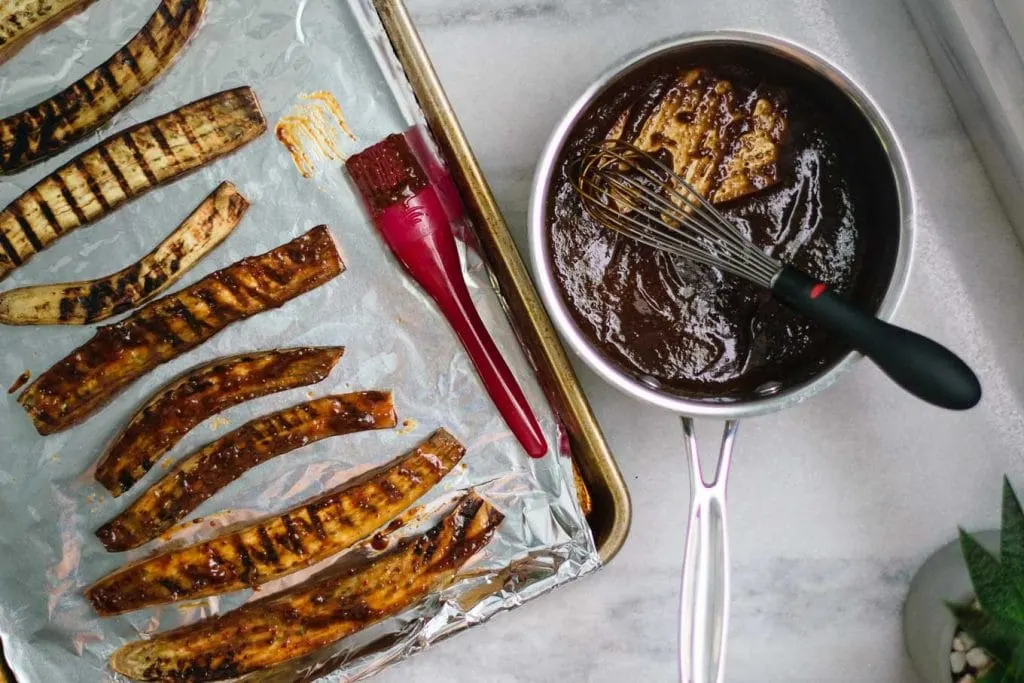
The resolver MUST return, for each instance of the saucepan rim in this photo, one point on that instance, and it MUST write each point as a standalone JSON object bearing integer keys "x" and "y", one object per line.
{"x": 538, "y": 228}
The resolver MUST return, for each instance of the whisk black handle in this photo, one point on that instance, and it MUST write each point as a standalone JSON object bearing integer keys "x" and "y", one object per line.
{"x": 923, "y": 367}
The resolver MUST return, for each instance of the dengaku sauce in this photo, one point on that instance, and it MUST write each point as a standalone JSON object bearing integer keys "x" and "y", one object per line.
{"x": 694, "y": 330}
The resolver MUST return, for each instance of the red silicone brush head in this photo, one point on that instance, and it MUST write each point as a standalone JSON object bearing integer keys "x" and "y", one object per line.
{"x": 411, "y": 217}
{"x": 386, "y": 173}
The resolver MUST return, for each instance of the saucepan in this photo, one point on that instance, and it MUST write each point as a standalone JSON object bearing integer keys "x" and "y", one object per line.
{"x": 881, "y": 172}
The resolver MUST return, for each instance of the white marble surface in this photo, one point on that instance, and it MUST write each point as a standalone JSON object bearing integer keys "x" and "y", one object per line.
{"x": 974, "y": 44}
{"x": 833, "y": 504}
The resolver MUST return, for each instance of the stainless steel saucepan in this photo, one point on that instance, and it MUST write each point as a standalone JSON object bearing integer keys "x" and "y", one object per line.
{"x": 705, "y": 588}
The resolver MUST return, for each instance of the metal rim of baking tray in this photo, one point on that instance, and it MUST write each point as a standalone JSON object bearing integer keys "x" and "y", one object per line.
{"x": 541, "y": 261}
{"x": 612, "y": 510}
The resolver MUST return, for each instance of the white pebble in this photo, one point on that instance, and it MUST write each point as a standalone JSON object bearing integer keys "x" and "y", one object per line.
{"x": 967, "y": 679}
{"x": 977, "y": 658}
{"x": 958, "y": 644}
{"x": 966, "y": 641}
{"x": 957, "y": 662}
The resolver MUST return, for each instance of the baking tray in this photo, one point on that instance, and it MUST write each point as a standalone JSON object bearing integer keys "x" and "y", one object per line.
{"x": 609, "y": 517}
{"x": 611, "y": 512}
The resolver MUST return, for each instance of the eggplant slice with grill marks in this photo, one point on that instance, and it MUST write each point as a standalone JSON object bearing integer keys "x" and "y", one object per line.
{"x": 22, "y": 19}
{"x": 118, "y": 354}
{"x": 302, "y": 620}
{"x": 55, "y": 124}
{"x": 125, "y": 166}
{"x": 199, "y": 476}
{"x": 280, "y": 545}
{"x": 81, "y": 303}
{"x": 202, "y": 393}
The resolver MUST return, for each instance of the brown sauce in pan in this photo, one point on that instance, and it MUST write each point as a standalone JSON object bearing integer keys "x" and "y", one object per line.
{"x": 694, "y": 330}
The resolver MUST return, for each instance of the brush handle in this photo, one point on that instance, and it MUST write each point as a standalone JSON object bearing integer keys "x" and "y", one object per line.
{"x": 419, "y": 233}
{"x": 923, "y": 367}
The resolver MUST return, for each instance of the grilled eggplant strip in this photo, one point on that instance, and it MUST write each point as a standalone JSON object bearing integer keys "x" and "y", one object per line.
{"x": 54, "y": 124}
{"x": 80, "y": 303}
{"x": 302, "y": 620}
{"x": 199, "y": 476}
{"x": 22, "y": 19}
{"x": 175, "y": 409}
{"x": 118, "y": 354}
{"x": 125, "y": 166}
{"x": 278, "y": 546}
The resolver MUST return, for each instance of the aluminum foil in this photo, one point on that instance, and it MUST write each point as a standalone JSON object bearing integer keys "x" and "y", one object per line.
{"x": 395, "y": 339}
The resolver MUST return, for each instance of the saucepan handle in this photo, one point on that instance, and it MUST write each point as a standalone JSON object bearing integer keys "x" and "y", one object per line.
{"x": 704, "y": 610}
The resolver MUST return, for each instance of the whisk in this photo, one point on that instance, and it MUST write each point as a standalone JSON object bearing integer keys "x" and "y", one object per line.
{"x": 632, "y": 192}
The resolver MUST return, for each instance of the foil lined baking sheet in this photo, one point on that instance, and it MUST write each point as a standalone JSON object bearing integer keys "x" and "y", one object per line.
{"x": 395, "y": 339}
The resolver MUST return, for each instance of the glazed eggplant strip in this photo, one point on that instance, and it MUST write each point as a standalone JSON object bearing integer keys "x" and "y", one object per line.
{"x": 22, "y": 19}
{"x": 305, "y": 619}
{"x": 164, "y": 329}
{"x": 80, "y": 303}
{"x": 211, "y": 468}
{"x": 125, "y": 166}
{"x": 200, "y": 394}
{"x": 54, "y": 124}
{"x": 278, "y": 546}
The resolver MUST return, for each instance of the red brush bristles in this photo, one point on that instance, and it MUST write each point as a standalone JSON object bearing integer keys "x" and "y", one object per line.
{"x": 387, "y": 172}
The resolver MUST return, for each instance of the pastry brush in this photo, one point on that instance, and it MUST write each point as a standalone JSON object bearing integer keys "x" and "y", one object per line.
{"x": 408, "y": 208}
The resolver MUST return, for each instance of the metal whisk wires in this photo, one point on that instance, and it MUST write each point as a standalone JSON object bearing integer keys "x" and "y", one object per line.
{"x": 630, "y": 191}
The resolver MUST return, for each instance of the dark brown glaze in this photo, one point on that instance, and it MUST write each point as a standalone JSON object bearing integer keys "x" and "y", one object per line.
{"x": 386, "y": 173}
{"x": 693, "y": 330}
{"x": 22, "y": 380}
{"x": 118, "y": 354}
{"x": 277, "y": 546}
{"x": 201, "y": 393}
{"x": 382, "y": 539}
{"x": 199, "y": 476}
{"x": 304, "y": 619}
{"x": 83, "y": 107}
{"x": 125, "y": 166}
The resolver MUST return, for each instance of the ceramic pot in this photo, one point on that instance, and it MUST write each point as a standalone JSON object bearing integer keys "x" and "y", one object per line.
{"x": 928, "y": 625}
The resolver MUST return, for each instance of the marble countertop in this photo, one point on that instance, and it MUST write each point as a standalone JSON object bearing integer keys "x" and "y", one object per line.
{"x": 833, "y": 504}
{"x": 978, "y": 49}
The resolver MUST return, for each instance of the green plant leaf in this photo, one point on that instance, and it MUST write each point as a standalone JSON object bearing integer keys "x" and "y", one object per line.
{"x": 997, "y": 674}
{"x": 1015, "y": 672}
{"x": 1011, "y": 537}
{"x": 1016, "y": 668}
{"x": 996, "y": 592}
{"x": 999, "y": 637}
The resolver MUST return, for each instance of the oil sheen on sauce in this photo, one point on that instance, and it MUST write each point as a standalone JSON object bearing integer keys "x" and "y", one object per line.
{"x": 693, "y": 330}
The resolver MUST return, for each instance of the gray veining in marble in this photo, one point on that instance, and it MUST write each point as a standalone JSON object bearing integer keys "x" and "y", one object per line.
{"x": 834, "y": 504}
